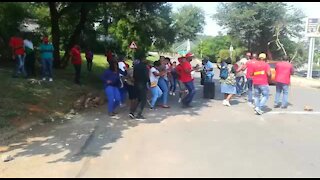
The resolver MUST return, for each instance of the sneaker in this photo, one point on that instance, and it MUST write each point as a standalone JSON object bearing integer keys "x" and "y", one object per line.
{"x": 179, "y": 101}
{"x": 224, "y": 102}
{"x": 165, "y": 106}
{"x": 173, "y": 94}
{"x": 43, "y": 79}
{"x": 251, "y": 104}
{"x": 258, "y": 111}
{"x": 140, "y": 118}
{"x": 170, "y": 93}
{"x": 284, "y": 107}
{"x": 50, "y": 79}
{"x": 111, "y": 114}
{"x": 276, "y": 106}
{"x": 228, "y": 104}
{"x": 131, "y": 115}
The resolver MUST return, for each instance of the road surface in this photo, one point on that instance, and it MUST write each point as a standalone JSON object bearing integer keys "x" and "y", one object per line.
{"x": 209, "y": 140}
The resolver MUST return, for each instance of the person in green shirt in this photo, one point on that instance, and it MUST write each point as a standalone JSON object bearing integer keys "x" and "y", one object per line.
{"x": 46, "y": 54}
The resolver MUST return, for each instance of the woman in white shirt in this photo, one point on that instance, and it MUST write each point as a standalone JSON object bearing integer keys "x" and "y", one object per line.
{"x": 154, "y": 75}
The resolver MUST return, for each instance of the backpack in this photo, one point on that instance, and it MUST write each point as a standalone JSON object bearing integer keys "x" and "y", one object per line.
{"x": 224, "y": 71}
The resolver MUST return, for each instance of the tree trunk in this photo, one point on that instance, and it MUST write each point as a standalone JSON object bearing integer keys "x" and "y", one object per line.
{"x": 55, "y": 32}
{"x": 74, "y": 38}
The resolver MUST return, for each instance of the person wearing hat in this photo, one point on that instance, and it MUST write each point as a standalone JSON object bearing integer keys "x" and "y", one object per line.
{"x": 260, "y": 73}
{"x": 46, "y": 54}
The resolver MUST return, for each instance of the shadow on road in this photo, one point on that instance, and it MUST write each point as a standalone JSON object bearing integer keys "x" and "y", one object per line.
{"x": 65, "y": 140}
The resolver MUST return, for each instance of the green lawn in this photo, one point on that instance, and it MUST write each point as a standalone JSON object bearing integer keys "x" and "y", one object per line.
{"x": 22, "y": 100}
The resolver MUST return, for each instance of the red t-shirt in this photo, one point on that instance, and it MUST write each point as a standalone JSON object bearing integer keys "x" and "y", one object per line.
{"x": 183, "y": 75}
{"x": 260, "y": 76}
{"x": 283, "y": 72}
{"x": 75, "y": 56}
{"x": 249, "y": 65}
{"x": 17, "y": 44}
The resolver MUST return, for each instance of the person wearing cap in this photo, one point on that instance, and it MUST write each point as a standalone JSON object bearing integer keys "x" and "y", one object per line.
{"x": 284, "y": 70}
{"x": 184, "y": 71}
{"x": 260, "y": 73}
{"x": 76, "y": 60}
{"x": 46, "y": 54}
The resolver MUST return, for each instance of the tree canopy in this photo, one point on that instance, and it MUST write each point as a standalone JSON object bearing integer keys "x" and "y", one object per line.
{"x": 261, "y": 25}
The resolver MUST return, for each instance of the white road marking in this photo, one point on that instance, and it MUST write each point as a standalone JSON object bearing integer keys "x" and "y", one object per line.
{"x": 295, "y": 112}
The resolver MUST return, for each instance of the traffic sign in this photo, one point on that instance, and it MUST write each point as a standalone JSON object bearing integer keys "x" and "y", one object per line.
{"x": 312, "y": 28}
{"x": 133, "y": 45}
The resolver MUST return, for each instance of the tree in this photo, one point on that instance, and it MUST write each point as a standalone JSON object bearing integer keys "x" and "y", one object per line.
{"x": 189, "y": 20}
{"x": 11, "y": 16}
{"x": 258, "y": 24}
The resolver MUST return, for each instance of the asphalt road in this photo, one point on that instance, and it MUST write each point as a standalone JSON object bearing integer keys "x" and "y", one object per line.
{"x": 208, "y": 140}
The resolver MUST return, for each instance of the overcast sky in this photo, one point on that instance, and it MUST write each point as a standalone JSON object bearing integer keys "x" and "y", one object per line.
{"x": 311, "y": 9}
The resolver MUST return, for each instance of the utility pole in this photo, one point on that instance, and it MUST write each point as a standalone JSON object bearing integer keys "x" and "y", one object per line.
{"x": 310, "y": 57}
{"x": 201, "y": 49}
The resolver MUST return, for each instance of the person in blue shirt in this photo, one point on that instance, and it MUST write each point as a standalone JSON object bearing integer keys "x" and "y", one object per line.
{"x": 112, "y": 83}
{"x": 208, "y": 70}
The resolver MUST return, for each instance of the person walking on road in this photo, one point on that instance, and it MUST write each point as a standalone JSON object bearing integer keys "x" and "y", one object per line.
{"x": 284, "y": 70}
{"x": 154, "y": 88}
{"x": 248, "y": 68}
{"x": 46, "y": 51}
{"x": 184, "y": 71}
{"x": 228, "y": 82}
{"x": 112, "y": 83}
{"x": 141, "y": 79}
{"x": 163, "y": 82}
{"x": 260, "y": 74}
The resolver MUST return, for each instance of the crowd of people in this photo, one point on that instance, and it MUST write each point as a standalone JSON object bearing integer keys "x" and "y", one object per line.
{"x": 255, "y": 72}
{"x": 155, "y": 83}
{"x": 24, "y": 55}
{"x": 148, "y": 83}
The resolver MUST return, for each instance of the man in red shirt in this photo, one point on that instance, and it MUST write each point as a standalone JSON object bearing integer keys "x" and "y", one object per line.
{"x": 18, "y": 54}
{"x": 260, "y": 73}
{"x": 284, "y": 70}
{"x": 184, "y": 71}
{"x": 248, "y": 67}
{"x": 76, "y": 60}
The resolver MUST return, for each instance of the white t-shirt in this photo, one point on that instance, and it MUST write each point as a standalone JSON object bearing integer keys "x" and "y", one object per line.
{"x": 28, "y": 44}
{"x": 153, "y": 78}
{"x": 122, "y": 66}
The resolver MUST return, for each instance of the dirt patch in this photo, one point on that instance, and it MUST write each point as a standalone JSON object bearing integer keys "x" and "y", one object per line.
{"x": 35, "y": 108}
